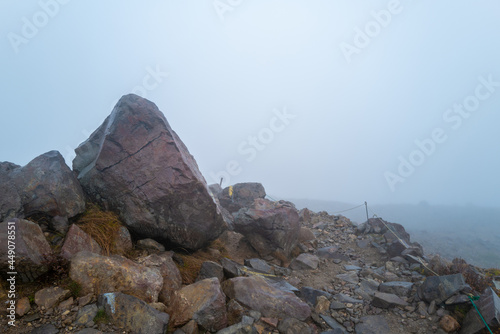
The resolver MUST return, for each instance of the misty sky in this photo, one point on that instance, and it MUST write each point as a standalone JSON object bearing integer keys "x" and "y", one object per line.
{"x": 388, "y": 101}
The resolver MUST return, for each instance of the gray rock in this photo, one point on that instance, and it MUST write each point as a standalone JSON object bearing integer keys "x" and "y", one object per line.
{"x": 294, "y": 326}
{"x": 489, "y": 306}
{"x": 337, "y": 328}
{"x": 32, "y": 249}
{"x": 210, "y": 269}
{"x": 150, "y": 244}
{"x": 270, "y": 227}
{"x": 332, "y": 254}
{"x": 373, "y": 324}
{"x": 231, "y": 268}
{"x": 243, "y": 196}
{"x": 45, "y": 185}
{"x": 440, "y": 288}
{"x": 133, "y": 314}
{"x": 76, "y": 241}
{"x": 350, "y": 277}
{"x": 255, "y": 293}
{"x": 343, "y": 298}
{"x": 387, "y": 300}
{"x": 203, "y": 302}
{"x": 305, "y": 261}
{"x": 45, "y": 329}
{"x": 50, "y": 297}
{"x": 260, "y": 265}
{"x": 137, "y": 166}
{"x": 240, "y": 328}
{"x": 96, "y": 273}
{"x": 310, "y": 295}
{"x": 86, "y": 315}
{"x": 349, "y": 267}
{"x": 401, "y": 289}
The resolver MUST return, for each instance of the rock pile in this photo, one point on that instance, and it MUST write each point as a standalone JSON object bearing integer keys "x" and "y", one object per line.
{"x": 270, "y": 268}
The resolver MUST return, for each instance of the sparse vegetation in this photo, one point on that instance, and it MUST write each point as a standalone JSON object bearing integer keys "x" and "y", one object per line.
{"x": 101, "y": 317}
{"x": 101, "y": 225}
{"x": 75, "y": 288}
{"x": 477, "y": 281}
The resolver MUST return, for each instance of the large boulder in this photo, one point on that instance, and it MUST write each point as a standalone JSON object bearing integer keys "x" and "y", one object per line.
{"x": 489, "y": 306}
{"x": 32, "y": 251}
{"x": 101, "y": 274}
{"x": 45, "y": 185}
{"x": 203, "y": 302}
{"x": 242, "y": 196}
{"x": 269, "y": 227}
{"x": 137, "y": 166}
{"x": 133, "y": 314}
{"x": 440, "y": 288}
{"x": 255, "y": 293}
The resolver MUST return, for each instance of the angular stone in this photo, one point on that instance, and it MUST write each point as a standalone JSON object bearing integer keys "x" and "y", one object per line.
{"x": 23, "y": 306}
{"x": 203, "y": 302}
{"x": 305, "y": 261}
{"x": 137, "y": 166}
{"x": 86, "y": 315}
{"x": 231, "y": 268}
{"x": 401, "y": 289}
{"x": 66, "y": 305}
{"x": 150, "y": 244}
{"x": 172, "y": 280}
{"x": 322, "y": 305}
{"x": 123, "y": 241}
{"x": 234, "y": 312}
{"x": 45, "y": 329}
{"x": 32, "y": 249}
{"x": 332, "y": 253}
{"x": 449, "y": 324}
{"x": 440, "y": 288}
{"x": 294, "y": 326}
{"x": 350, "y": 277}
{"x": 243, "y": 196}
{"x": 489, "y": 306}
{"x": 255, "y": 293}
{"x": 133, "y": 314}
{"x": 102, "y": 274}
{"x": 259, "y": 265}
{"x": 45, "y": 185}
{"x": 337, "y": 328}
{"x": 240, "y": 328}
{"x": 76, "y": 241}
{"x": 210, "y": 269}
{"x": 310, "y": 295}
{"x": 343, "y": 298}
{"x": 373, "y": 324}
{"x": 50, "y": 297}
{"x": 387, "y": 300}
{"x": 270, "y": 227}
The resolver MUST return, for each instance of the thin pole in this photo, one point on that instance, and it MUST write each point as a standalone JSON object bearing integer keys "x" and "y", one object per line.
{"x": 366, "y": 207}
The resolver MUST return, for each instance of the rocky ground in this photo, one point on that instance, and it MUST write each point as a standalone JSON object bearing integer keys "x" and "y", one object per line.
{"x": 132, "y": 240}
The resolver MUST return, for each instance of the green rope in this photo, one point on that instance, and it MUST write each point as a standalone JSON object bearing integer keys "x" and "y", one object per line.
{"x": 472, "y": 301}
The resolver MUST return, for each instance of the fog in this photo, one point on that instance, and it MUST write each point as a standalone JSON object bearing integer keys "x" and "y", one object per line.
{"x": 390, "y": 102}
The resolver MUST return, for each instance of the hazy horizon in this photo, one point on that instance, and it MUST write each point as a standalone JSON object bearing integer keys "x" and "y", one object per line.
{"x": 391, "y": 103}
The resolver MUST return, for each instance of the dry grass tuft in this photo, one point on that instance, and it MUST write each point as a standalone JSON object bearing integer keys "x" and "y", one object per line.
{"x": 101, "y": 225}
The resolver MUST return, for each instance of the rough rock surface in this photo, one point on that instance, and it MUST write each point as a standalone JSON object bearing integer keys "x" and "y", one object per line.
{"x": 255, "y": 293}
{"x": 203, "y": 302}
{"x": 134, "y": 314}
{"x": 137, "y": 166}
{"x": 45, "y": 185}
{"x": 269, "y": 227}
{"x": 102, "y": 274}
{"x": 243, "y": 196}
{"x": 172, "y": 280}
{"x": 76, "y": 241}
{"x": 32, "y": 251}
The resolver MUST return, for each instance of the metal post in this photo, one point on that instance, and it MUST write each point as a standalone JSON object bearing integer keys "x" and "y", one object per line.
{"x": 366, "y": 207}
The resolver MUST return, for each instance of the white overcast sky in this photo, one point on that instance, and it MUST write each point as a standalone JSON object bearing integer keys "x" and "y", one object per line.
{"x": 359, "y": 101}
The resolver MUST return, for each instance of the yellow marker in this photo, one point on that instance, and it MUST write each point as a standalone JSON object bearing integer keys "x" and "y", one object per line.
{"x": 230, "y": 191}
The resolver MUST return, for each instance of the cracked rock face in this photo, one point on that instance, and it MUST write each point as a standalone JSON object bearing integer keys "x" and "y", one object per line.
{"x": 137, "y": 166}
